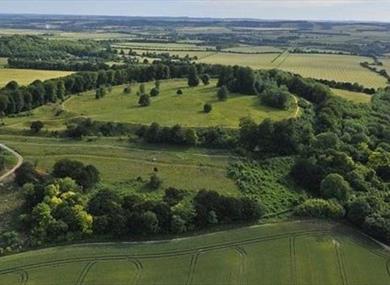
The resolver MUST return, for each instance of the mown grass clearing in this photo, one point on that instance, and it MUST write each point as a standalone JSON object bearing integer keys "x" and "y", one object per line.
{"x": 311, "y": 252}
{"x": 121, "y": 163}
{"x": 27, "y": 76}
{"x": 355, "y": 97}
{"x": 169, "y": 108}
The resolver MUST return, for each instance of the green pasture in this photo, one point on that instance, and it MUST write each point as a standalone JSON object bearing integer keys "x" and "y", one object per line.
{"x": 311, "y": 252}
{"x": 27, "y": 76}
{"x": 121, "y": 163}
{"x": 169, "y": 108}
{"x": 355, "y": 97}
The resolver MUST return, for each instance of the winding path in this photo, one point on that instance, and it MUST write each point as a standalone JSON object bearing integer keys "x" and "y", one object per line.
{"x": 17, "y": 165}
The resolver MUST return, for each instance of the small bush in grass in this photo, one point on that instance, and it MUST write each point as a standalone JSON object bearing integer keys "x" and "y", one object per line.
{"x": 154, "y": 92}
{"x": 154, "y": 181}
{"x": 36, "y": 126}
{"x": 144, "y": 100}
{"x": 207, "y": 108}
{"x": 179, "y": 92}
{"x": 127, "y": 89}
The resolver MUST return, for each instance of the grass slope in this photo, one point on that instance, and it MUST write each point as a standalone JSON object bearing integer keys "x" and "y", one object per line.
{"x": 169, "y": 109}
{"x": 26, "y": 76}
{"x": 286, "y": 253}
{"x": 355, "y": 97}
{"x": 121, "y": 163}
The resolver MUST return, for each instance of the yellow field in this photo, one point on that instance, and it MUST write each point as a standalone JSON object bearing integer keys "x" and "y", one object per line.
{"x": 342, "y": 68}
{"x": 26, "y": 76}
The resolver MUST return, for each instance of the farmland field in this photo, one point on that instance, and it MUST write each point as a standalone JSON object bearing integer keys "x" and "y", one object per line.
{"x": 26, "y": 76}
{"x": 254, "y": 49}
{"x": 169, "y": 109}
{"x": 311, "y": 252}
{"x": 121, "y": 163}
{"x": 342, "y": 68}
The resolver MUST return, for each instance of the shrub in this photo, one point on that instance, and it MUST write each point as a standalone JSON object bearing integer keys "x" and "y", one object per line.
{"x": 154, "y": 92}
{"x": 127, "y": 89}
{"x": 36, "y": 126}
{"x": 318, "y": 208}
{"x": 207, "y": 108}
{"x": 179, "y": 92}
{"x": 205, "y": 79}
{"x": 144, "y": 100}
{"x": 222, "y": 93}
{"x": 334, "y": 186}
{"x": 154, "y": 181}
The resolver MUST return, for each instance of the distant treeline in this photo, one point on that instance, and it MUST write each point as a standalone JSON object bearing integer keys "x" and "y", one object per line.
{"x": 57, "y": 64}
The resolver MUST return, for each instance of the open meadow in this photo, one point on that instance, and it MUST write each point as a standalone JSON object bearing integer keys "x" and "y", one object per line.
{"x": 121, "y": 163}
{"x": 311, "y": 252}
{"x": 27, "y": 76}
{"x": 169, "y": 109}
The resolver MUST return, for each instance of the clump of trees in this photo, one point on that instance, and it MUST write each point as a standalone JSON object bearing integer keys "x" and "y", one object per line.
{"x": 211, "y": 137}
{"x": 84, "y": 175}
{"x": 55, "y": 212}
{"x": 277, "y": 97}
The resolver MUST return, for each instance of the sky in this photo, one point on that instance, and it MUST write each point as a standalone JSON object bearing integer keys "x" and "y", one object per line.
{"x": 361, "y": 10}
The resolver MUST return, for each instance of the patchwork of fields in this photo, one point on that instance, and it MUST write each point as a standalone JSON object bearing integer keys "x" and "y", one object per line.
{"x": 121, "y": 163}
{"x": 343, "y": 68}
{"x": 285, "y": 253}
{"x": 27, "y": 76}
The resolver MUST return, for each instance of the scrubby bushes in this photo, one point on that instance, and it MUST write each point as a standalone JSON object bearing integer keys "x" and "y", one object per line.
{"x": 277, "y": 97}
{"x": 318, "y": 208}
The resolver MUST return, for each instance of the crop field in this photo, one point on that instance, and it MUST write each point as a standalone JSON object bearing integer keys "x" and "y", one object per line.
{"x": 162, "y": 46}
{"x": 26, "y": 76}
{"x": 311, "y": 252}
{"x": 386, "y": 63}
{"x": 342, "y": 68}
{"x": 121, "y": 163}
{"x": 355, "y": 97}
{"x": 254, "y": 49}
{"x": 169, "y": 108}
